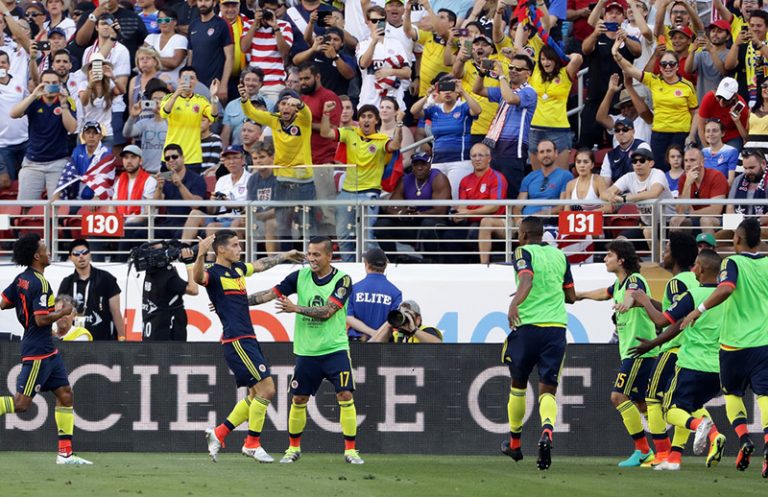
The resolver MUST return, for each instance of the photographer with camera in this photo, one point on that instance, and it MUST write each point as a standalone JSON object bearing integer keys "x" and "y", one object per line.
{"x": 404, "y": 325}
{"x": 70, "y": 328}
{"x": 162, "y": 302}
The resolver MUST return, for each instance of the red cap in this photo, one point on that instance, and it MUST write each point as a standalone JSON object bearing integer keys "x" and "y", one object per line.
{"x": 682, "y": 29}
{"x": 622, "y": 4}
{"x": 722, "y": 24}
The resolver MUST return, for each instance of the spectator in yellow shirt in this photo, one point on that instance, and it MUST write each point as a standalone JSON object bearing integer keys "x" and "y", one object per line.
{"x": 184, "y": 111}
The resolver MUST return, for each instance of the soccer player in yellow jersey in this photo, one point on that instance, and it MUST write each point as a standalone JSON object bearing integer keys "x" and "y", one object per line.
{"x": 371, "y": 152}
{"x": 291, "y": 133}
{"x": 184, "y": 109}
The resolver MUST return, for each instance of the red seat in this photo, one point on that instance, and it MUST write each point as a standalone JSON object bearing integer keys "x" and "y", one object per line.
{"x": 31, "y": 222}
{"x": 210, "y": 184}
{"x": 70, "y": 224}
{"x": 600, "y": 155}
{"x": 10, "y": 193}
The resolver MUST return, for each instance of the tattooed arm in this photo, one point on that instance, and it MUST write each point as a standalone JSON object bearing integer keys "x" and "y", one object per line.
{"x": 321, "y": 312}
{"x": 266, "y": 263}
{"x": 259, "y": 298}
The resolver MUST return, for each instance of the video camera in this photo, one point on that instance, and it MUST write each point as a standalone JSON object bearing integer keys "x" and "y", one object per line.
{"x": 151, "y": 256}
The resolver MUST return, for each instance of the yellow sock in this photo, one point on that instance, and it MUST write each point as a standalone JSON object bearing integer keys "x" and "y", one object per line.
{"x": 65, "y": 420}
{"x": 297, "y": 418}
{"x": 680, "y": 437}
{"x": 239, "y": 413}
{"x": 516, "y": 409}
{"x": 631, "y": 417}
{"x": 7, "y": 406}
{"x": 656, "y": 423}
{"x": 547, "y": 410}
{"x": 762, "y": 402}
{"x": 348, "y": 418}
{"x": 735, "y": 408}
{"x": 678, "y": 417}
{"x": 256, "y": 414}
{"x": 701, "y": 413}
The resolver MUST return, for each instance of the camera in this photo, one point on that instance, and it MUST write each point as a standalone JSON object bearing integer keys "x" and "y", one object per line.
{"x": 43, "y": 45}
{"x": 381, "y": 25}
{"x": 611, "y": 26}
{"x": 487, "y": 64}
{"x": 404, "y": 320}
{"x": 52, "y": 88}
{"x": 267, "y": 15}
{"x": 462, "y": 32}
{"x": 148, "y": 104}
{"x": 446, "y": 85}
{"x": 151, "y": 256}
{"x": 322, "y": 18}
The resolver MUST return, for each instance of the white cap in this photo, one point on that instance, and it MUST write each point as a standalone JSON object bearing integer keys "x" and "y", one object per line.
{"x": 727, "y": 88}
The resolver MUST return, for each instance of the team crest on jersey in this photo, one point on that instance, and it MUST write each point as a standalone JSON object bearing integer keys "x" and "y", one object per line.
{"x": 372, "y": 148}
{"x": 341, "y": 292}
{"x": 57, "y": 111}
{"x": 483, "y": 188}
{"x": 294, "y": 384}
{"x": 723, "y": 275}
{"x": 521, "y": 264}
{"x": 293, "y": 130}
{"x": 196, "y": 109}
{"x": 456, "y": 115}
{"x": 678, "y": 93}
{"x": 262, "y": 368}
{"x": 211, "y": 31}
{"x": 18, "y": 89}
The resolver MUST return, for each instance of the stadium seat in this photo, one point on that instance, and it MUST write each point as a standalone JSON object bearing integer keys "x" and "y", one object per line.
{"x": 31, "y": 222}
{"x": 11, "y": 192}
{"x": 600, "y": 155}
{"x": 210, "y": 184}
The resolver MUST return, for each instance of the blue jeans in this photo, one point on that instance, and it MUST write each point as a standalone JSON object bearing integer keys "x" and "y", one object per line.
{"x": 346, "y": 221}
{"x": 11, "y": 158}
{"x": 286, "y": 216}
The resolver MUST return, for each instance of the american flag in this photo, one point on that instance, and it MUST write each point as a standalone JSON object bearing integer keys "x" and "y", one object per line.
{"x": 385, "y": 85}
{"x": 99, "y": 177}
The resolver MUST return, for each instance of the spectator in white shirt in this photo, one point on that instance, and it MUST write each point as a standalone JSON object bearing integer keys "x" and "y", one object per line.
{"x": 268, "y": 41}
{"x": 171, "y": 46}
{"x": 13, "y": 132}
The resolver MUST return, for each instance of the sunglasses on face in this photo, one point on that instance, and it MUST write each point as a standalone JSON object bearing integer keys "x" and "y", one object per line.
{"x": 78, "y": 253}
{"x": 171, "y": 157}
{"x": 621, "y": 130}
{"x": 668, "y": 63}
{"x": 639, "y": 160}
{"x": 34, "y": 14}
{"x": 164, "y": 20}
{"x": 376, "y": 19}
{"x": 517, "y": 68}
{"x": 544, "y": 184}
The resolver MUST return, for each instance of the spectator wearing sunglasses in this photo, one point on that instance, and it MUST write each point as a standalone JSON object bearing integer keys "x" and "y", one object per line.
{"x": 546, "y": 183}
{"x": 171, "y": 46}
{"x": 617, "y": 163}
{"x": 699, "y": 182}
{"x": 674, "y": 103}
{"x": 96, "y": 294}
{"x": 645, "y": 182}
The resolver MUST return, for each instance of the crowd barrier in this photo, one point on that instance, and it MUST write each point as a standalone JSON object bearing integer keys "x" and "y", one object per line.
{"x": 424, "y": 399}
{"x": 60, "y": 222}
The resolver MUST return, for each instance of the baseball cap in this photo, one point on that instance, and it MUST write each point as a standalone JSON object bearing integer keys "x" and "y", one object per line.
{"x": 707, "y": 238}
{"x": 727, "y": 88}
{"x": 132, "y": 149}
{"x": 230, "y": 1}
{"x": 376, "y": 257}
{"x": 721, "y": 24}
{"x": 616, "y": 3}
{"x": 232, "y": 149}
{"x": 642, "y": 152}
{"x": 91, "y": 125}
{"x": 412, "y": 305}
{"x": 287, "y": 93}
{"x": 682, "y": 29}
{"x": 57, "y": 31}
{"x": 623, "y": 121}
{"x": 482, "y": 38}
{"x": 421, "y": 156}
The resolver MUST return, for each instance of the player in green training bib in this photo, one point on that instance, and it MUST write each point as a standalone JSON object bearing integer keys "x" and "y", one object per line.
{"x": 628, "y": 395}
{"x": 742, "y": 288}
{"x": 678, "y": 258}
{"x": 319, "y": 342}
{"x": 696, "y": 380}
{"x": 537, "y": 322}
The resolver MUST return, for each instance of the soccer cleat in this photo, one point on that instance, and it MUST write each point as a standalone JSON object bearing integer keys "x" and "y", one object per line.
{"x": 515, "y": 454}
{"x": 352, "y": 456}
{"x": 659, "y": 458}
{"x": 71, "y": 459}
{"x": 716, "y": 450}
{"x": 742, "y": 458}
{"x": 636, "y": 459}
{"x": 544, "y": 461}
{"x": 214, "y": 446}
{"x": 700, "y": 439}
{"x": 667, "y": 466}
{"x": 257, "y": 453}
{"x": 291, "y": 455}
{"x": 765, "y": 461}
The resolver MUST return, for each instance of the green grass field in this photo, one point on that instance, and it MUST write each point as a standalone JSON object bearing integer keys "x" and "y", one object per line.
{"x": 319, "y": 475}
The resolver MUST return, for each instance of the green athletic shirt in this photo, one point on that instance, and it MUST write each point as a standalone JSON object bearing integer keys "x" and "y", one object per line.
{"x": 634, "y": 323}
{"x": 545, "y": 304}
{"x": 676, "y": 288}
{"x": 746, "y": 317}
{"x": 700, "y": 349}
{"x": 315, "y": 337}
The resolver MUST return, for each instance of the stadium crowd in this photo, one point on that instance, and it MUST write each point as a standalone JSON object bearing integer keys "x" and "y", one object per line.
{"x": 224, "y": 99}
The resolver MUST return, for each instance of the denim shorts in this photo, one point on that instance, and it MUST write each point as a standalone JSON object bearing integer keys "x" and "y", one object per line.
{"x": 561, "y": 136}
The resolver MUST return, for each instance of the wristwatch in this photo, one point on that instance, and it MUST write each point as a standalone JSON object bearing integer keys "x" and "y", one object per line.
{"x": 92, "y": 18}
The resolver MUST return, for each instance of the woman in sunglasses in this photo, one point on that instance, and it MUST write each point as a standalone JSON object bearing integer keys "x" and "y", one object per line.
{"x": 36, "y": 16}
{"x": 171, "y": 46}
{"x": 674, "y": 102}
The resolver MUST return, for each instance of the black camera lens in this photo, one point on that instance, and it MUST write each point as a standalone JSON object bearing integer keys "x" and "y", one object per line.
{"x": 396, "y": 318}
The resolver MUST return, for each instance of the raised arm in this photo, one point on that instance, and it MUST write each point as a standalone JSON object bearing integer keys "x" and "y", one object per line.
{"x": 266, "y": 263}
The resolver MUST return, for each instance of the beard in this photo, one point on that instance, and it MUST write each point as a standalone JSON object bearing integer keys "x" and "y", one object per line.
{"x": 205, "y": 10}
{"x": 308, "y": 90}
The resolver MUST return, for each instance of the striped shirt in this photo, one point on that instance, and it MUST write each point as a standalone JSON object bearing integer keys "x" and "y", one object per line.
{"x": 265, "y": 54}
{"x": 211, "y": 147}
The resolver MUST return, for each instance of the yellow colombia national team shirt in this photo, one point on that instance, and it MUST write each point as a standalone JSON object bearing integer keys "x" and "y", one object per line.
{"x": 483, "y": 122}
{"x": 370, "y": 155}
{"x": 431, "y": 60}
{"x": 184, "y": 125}
{"x": 672, "y": 103}
{"x": 552, "y": 100}
{"x": 292, "y": 142}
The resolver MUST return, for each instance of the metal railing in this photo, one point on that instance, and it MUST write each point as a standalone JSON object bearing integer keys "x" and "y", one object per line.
{"x": 440, "y": 240}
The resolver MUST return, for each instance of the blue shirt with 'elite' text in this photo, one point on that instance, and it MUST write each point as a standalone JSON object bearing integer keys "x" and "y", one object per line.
{"x": 371, "y": 300}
